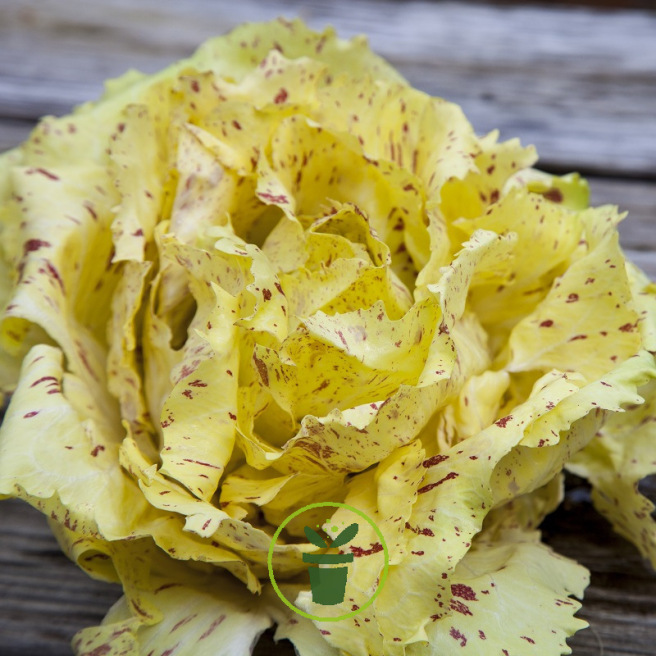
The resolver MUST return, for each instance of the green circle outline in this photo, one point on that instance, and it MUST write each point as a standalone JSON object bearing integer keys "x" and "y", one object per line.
{"x": 330, "y": 504}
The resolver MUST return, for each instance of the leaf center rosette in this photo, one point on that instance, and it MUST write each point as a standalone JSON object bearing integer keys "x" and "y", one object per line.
{"x": 275, "y": 274}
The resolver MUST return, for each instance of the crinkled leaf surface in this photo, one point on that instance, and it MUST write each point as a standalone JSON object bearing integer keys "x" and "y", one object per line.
{"x": 274, "y": 274}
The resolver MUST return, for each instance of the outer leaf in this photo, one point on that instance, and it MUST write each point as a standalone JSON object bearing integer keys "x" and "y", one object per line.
{"x": 48, "y": 455}
{"x": 510, "y": 595}
{"x": 302, "y": 632}
{"x": 463, "y": 484}
{"x": 215, "y": 618}
{"x": 587, "y": 318}
{"x": 570, "y": 190}
{"x": 623, "y": 453}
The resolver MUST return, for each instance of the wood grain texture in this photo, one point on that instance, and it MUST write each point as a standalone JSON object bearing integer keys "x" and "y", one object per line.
{"x": 45, "y": 599}
{"x": 579, "y": 84}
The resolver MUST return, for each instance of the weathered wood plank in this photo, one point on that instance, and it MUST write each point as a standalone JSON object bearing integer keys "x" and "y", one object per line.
{"x": 45, "y": 599}
{"x": 13, "y": 132}
{"x": 619, "y": 604}
{"x": 638, "y": 230}
{"x": 579, "y": 84}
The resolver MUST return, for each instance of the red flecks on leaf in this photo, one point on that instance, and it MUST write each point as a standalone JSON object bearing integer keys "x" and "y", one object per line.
{"x": 182, "y": 622}
{"x": 273, "y": 198}
{"x": 71, "y": 526}
{"x": 430, "y": 486}
{"x": 501, "y": 423}
{"x": 572, "y": 298}
{"x": 459, "y": 607}
{"x": 34, "y": 245}
{"x": 482, "y": 635}
{"x": 168, "y": 652}
{"x": 44, "y": 172}
{"x": 628, "y": 327}
{"x": 97, "y": 449}
{"x": 267, "y": 294}
{"x": 529, "y": 640}
{"x": 434, "y": 460}
{"x": 281, "y": 96}
{"x": 323, "y": 386}
{"x": 89, "y": 208}
{"x": 85, "y": 362}
{"x": 420, "y": 531}
{"x": 212, "y": 627}
{"x": 41, "y": 380}
{"x": 188, "y": 393}
{"x": 456, "y": 635}
{"x": 463, "y": 591}
{"x": 197, "y": 383}
{"x": 30, "y": 414}
{"x": 262, "y": 370}
{"x": 547, "y": 323}
{"x": 359, "y": 551}
{"x": 55, "y": 274}
{"x": 166, "y": 586}
{"x": 99, "y": 651}
{"x": 554, "y": 195}
{"x": 202, "y": 463}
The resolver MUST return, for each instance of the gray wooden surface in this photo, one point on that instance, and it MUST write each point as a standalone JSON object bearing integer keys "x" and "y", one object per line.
{"x": 579, "y": 84}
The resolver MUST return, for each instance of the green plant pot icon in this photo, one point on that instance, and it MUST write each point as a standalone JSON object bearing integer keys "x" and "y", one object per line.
{"x": 328, "y": 584}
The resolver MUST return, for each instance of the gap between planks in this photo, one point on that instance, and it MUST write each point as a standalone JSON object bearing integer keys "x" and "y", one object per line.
{"x": 579, "y": 84}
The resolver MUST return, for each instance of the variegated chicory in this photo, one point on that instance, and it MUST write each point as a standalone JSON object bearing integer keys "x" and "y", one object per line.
{"x": 276, "y": 274}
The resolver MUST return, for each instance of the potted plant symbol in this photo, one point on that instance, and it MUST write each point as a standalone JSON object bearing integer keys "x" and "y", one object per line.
{"x": 329, "y": 583}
